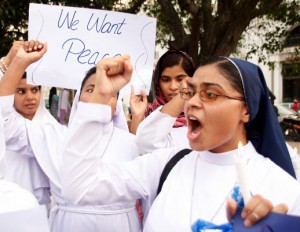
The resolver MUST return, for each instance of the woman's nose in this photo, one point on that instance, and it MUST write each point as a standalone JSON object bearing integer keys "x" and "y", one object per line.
{"x": 194, "y": 101}
{"x": 174, "y": 85}
{"x": 29, "y": 95}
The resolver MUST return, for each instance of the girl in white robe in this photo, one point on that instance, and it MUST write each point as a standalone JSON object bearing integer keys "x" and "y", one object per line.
{"x": 46, "y": 140}
{"x": 226, "y": 102}
{"x": 152, "y": 126}
{"x": 12, "y": 197}
{"x": 23, "y": 167}
{"x": 16, "y": 201}
{"x": 115, "y": 144}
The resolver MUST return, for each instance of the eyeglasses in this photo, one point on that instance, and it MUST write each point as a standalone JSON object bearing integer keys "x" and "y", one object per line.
{"x": 205, "y": 95}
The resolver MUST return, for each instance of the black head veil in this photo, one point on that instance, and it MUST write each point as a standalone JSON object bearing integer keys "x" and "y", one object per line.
{"x": 263, "y": 129}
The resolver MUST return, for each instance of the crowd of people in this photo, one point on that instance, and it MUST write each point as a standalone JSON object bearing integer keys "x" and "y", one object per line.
{"x": 173, "y": 167}
{"x": 60, "y": 104}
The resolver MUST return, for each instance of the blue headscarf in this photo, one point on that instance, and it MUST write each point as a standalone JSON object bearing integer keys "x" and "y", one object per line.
{"x": 263, "y": 129}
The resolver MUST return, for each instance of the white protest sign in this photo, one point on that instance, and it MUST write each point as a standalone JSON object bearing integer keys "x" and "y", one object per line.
{"x": 79, "y": 37}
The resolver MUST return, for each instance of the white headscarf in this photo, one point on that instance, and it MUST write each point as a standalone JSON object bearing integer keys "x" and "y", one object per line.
{"x": 119, "y": 117}
{"x": 33, "y": 178}
{"x": 46, "y": 136}
{"x": 42, "y": 113}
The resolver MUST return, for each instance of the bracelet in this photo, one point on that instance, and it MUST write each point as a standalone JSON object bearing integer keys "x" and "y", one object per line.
{"x": 4, "y": 64}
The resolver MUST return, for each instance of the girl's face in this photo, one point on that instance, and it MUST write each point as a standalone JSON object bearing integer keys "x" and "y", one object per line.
{"x": 169, "y": 81}
{"x": 88, "y": 89}
{"x": 27, "y": 99}
{"x": 216, "y": 126}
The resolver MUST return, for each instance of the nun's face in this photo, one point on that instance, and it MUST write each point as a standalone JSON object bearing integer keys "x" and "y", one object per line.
{"x": 88, "y": 89}
{"x": 27, "y": 99}
{"x": 217, "y": 126}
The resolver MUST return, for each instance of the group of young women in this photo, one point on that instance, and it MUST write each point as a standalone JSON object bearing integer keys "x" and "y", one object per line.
{"x": 96, "y": 169}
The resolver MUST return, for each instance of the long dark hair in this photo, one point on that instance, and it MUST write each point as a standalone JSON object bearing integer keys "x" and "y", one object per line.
{"x": 170, "y": 59}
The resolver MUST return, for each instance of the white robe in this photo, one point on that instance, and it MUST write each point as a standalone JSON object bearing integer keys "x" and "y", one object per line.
{"x": 45, "y": 140}
{"x": 14, "y": 199}
{"x": 197, "y": 187}
{"x": 21, "y": 166}
{"x": 112, "y": 145}
{"x": 156, "y": 131}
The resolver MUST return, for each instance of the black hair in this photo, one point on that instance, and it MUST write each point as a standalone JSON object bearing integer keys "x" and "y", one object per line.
{"x": 175, "y": 57}
{"x": 229, "y": 70}
{"x": 88, "y": 74}
{"x": 25, "y": 77}
{"x": 170, "y": 59}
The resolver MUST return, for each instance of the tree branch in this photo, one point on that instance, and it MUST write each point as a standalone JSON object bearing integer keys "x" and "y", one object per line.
{"x": 134, "y": 6}
{"x": 267, "y": 7}
{"x": 189, "y": 6}
{"x": 175, "y": 24}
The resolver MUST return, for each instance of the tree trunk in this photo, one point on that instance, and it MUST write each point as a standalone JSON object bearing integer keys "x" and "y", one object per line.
{"x": 215, "y": 30}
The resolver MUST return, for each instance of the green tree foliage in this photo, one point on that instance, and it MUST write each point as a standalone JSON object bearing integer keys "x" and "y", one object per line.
{"x": 202, "y": 28}
{"x": 206, "y": 28}
{"x": 274, "y": 28}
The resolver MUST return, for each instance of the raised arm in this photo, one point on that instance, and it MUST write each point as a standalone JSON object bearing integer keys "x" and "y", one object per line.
{"x": 30, "y": 52}
{"x": 138, "y": 106}
{"x": 175, "y": 107}
{"x": 112, "y": 74}
{"x": 14, "y": 126}
{"x": 86, "y": 177}
{"x": 6, "y": 60}
{"x": 154, "y": 132}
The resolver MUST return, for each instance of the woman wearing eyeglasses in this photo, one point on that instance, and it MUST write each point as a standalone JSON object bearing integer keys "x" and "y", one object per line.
{"x": 226, "y": 103}
{"x": 162, "y": 124}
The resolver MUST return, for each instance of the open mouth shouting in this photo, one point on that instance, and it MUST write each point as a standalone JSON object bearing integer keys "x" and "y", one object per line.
{"x": 194, "y": 127}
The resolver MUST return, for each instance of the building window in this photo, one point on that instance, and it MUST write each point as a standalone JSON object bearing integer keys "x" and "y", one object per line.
{"x": 293, "y": 38}
{"x": 291, "y": 68}
{"x": 291, "y": 71}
